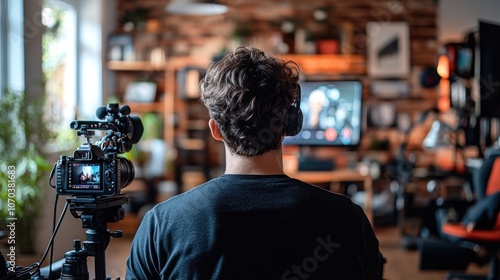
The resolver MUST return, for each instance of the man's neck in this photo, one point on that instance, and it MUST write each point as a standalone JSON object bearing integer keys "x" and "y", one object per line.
{"x": 270, "y": 163}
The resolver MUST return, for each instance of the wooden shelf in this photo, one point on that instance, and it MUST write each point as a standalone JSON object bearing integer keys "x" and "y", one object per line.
{"x": 192, "y": 144}
{"x": 135, "y": 66}
{"x": 329, "y": 63}
{"x": 197, "y": 124}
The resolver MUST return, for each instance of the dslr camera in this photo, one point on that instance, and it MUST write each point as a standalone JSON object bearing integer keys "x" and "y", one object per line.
{"x": 95, "y": 170}
{"x": 92, "y": 178}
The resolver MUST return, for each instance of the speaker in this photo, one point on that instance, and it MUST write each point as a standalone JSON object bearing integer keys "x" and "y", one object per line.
{"x": 294, "y": 118}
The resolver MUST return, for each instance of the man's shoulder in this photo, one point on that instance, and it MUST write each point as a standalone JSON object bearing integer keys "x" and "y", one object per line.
{"x": 188, "y": 198}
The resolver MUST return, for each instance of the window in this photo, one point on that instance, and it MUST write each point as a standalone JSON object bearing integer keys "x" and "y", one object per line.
{"x": 59, "y": 69}
{"x": 11, "y": 45}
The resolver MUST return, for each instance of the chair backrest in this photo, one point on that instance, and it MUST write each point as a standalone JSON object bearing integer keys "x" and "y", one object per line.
{"x": 486, "y": 180}
{"x": 493, "y": 184}
{"x": 487, "y": 177}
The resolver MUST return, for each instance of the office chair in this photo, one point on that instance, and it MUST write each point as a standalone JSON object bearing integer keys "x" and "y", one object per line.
{"x": 481, "y": 223}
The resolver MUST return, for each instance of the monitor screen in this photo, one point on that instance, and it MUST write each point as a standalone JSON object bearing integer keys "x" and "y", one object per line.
{"x": 489, "y": 70}
{"x": 332, "y": 114}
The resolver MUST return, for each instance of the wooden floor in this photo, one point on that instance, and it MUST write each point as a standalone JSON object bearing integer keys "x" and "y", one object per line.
{"x": 402, "y": 264}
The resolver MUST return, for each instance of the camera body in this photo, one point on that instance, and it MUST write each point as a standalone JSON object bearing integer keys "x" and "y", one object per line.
{"x": 96, "y": 170}
{"x": 89, "y": 172}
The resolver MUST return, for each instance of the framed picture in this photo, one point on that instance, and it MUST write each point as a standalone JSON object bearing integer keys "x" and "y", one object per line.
{"x": 388, "y": 49}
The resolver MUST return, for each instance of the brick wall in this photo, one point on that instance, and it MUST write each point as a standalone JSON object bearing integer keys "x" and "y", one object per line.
{"x": 262, "y": 22}
{"x": 207, "y": 35}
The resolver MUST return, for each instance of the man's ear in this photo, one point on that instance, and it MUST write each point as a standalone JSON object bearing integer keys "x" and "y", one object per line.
{"x": 214, "y": 129}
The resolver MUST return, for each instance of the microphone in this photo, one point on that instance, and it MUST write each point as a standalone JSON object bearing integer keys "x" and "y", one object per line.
{"x": 101, "y": 112}
{"x": 125, "y": 110}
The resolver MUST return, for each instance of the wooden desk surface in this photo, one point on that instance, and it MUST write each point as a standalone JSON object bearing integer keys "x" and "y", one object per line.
{"x": 337, "y": 176}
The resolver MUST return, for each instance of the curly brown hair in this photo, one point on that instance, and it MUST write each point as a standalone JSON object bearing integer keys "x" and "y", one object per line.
{"x": 248, "y": 94}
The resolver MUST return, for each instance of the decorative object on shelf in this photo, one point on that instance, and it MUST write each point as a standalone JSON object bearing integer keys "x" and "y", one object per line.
{"x": 196, "y": 7}
{"x": 382, "y": 115}
{"x": 144, "y": 44}
{"x": 328, "y": 41}
{"x": 135, "y": 19}
{"x": 328, "y": 37}
{"x": 309, "y": 44}
{"x": 388, "y": 47}
{"x": 390, "y": 89}
{"x": 140, "y": 92}
{"x": 157, "y": 57}
{"x": 120, "y": 47}
{"x": 328, "y": 46}
{"x": 404, "y": 122}
{"x": 188, "y": 79}
{"x": 288, "y": 28}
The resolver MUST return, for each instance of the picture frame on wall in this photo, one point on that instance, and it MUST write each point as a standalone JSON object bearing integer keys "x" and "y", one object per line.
{"x": 388, "y": 49}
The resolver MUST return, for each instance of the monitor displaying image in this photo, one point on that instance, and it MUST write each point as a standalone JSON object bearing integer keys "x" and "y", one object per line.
{"x": 332, "y": 114}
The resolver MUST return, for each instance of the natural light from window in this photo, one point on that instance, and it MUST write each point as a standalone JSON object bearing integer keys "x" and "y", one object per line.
{"x": 59, "y": 68}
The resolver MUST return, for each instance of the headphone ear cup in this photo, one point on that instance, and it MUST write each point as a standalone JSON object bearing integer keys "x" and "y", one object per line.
{"x": 298, "y": 125}
{"x": 294, "y": 121}
{"x": 294, "y": 117}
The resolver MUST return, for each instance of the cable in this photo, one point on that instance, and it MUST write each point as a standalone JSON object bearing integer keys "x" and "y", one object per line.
{"x": 51, "y": 241}
{"x": 52, "y": 175}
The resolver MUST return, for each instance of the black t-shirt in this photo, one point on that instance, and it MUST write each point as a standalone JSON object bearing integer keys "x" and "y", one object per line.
{"x": 255, "y": 227}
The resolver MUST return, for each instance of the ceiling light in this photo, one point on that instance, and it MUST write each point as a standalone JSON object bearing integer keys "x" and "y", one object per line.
{"x": 195, "y": 7}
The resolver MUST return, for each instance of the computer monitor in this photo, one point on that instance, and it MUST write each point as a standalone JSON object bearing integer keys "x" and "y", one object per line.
{"x": 332, "y": 114}
{"x": 489, "y": 69}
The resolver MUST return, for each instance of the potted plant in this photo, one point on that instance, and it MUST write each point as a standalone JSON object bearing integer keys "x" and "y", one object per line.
{"x": 23, "y": 134}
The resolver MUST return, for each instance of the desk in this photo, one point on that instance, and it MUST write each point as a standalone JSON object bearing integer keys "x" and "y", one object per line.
{"x": 337, "y": 176}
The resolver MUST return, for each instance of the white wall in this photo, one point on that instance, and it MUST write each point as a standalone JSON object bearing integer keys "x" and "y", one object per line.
{"x": 456, "y": 17}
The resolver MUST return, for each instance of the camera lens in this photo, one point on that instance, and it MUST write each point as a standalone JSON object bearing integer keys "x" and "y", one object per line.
{"x": 126, "y": 171}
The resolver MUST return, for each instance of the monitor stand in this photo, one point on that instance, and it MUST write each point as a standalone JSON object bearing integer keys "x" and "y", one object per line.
{"x": 308, "y": 162}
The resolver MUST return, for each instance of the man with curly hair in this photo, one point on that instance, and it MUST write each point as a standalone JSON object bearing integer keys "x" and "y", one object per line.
{"x": 254, "y": 222}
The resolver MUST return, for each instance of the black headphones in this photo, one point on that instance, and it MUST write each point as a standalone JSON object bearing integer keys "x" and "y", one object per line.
{"x": 293, "y": 122}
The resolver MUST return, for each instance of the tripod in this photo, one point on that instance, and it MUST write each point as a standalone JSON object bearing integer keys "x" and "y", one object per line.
{"x": 95, "y": 213}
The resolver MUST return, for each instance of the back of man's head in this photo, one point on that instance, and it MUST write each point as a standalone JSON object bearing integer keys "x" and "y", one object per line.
{"x": 248, "y": 94}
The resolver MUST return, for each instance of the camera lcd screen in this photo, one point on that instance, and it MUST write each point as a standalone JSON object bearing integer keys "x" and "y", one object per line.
{"x": 84, "y": 176}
